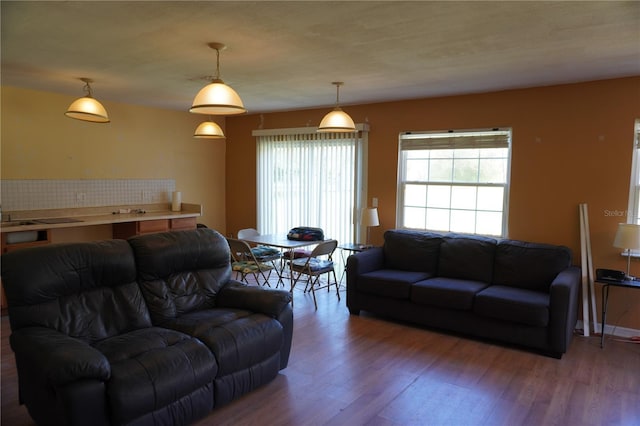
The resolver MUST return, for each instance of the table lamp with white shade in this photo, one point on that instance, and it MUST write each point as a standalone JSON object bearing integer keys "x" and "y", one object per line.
{"x": 628, "y": 238}
{"x": 369, "y": 218}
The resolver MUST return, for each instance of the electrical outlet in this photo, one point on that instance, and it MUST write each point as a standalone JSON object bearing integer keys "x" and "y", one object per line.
{"x": 81, "y": 197}
{"x": 147, "y": 196}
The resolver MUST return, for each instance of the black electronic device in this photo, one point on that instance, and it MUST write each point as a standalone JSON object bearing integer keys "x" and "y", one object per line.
{"x": 610, "y": 274}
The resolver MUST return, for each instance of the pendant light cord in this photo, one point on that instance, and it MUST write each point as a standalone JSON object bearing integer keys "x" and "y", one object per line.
{"x": 87, "y": 89}
{"x": 338, "y": 84}
{"x": 217, "y": 64}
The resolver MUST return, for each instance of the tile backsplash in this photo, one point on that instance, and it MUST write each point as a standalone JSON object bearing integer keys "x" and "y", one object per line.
{"x": 42, "y": 194}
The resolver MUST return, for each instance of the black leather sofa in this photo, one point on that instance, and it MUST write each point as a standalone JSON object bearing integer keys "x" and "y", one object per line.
{"x": 149, "y": 331}
{"x": 513, "y": 291}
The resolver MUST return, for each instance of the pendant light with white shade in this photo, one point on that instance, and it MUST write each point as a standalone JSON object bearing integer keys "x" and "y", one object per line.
{"x": 208, "y": 130}
{"x": 87, "y": 108}
{"x": 337, "y": 120}
{"x": 216, "y": 98}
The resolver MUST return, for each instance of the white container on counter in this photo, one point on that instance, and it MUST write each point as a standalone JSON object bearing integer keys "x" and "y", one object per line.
{"x": 176, "y": 201}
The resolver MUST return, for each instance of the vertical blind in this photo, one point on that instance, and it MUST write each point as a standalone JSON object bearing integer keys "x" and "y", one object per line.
{"x": 306, "y": 178}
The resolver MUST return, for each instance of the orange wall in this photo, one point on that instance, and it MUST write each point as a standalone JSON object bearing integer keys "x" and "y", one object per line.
{"x": 571, "y": 144}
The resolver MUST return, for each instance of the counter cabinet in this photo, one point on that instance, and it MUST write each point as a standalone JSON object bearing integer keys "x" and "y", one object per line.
{"x": 125, "y": 230}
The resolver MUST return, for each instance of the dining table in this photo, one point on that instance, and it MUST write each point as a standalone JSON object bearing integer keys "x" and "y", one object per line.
{"x": 283, "y": 243}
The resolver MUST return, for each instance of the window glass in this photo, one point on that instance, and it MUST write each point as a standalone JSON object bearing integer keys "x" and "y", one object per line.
{"x": 634, "y": 187}
{"x": 454, "y": 181}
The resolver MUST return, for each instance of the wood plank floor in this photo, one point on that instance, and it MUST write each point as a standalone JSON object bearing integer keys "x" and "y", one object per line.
{"x": 347, "y": 370}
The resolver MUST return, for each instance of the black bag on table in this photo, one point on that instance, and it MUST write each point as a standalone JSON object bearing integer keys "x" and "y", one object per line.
{"x": 305, "y": 233}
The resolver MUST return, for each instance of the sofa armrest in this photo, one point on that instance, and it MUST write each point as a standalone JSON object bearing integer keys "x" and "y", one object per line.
{"x": 563, "y": 307}
{"x": 257, "y": 299}
{"x": 61, "y": 359}
{"x": 357, "y": 264}
{"x": 366, "y": 261}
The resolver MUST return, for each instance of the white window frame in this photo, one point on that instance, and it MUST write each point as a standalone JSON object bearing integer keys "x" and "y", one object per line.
{"x": 268, "y": 223}
{"x": 452, "y": 140}
{"x": 633, "y": 210}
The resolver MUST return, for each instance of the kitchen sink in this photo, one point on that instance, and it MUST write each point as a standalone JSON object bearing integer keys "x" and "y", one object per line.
{"x": 17, "y": 223}
{"x": 52, "y": 220}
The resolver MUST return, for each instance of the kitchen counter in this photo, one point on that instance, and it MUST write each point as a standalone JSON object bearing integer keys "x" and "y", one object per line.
{"x": 78, "y": 217}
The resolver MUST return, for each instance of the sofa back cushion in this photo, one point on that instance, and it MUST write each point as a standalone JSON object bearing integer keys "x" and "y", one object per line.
{"x": 84, "y": 290}
{"x": 467, "y": 257}
{"x": 531, "y": 266}
{"x": 411, "y": 250}
{"x": 181, "y": 271}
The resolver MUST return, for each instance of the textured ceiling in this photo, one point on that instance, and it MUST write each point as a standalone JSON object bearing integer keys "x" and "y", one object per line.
{"x": 284, "y": 55}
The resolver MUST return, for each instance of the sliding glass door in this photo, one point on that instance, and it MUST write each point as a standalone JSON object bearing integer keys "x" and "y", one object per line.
{"x": 313, "y": 179}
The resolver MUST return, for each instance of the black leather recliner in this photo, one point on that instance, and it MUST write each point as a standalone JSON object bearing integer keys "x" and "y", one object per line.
{"x": 146, "y": 331}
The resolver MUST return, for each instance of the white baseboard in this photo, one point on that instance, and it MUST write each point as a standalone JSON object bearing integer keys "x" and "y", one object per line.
{"x": 613, "y": 330}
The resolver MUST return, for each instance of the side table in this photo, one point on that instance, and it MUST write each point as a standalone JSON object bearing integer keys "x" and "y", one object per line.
{"x": 605, "y": 298}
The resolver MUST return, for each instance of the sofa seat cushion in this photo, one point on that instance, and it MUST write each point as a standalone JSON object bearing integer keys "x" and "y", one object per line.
{"x": 153, "y": 368}
{"x": 239, "y": 339}
{"x": 513, "y": 304}
{"x": 448, "y": 293}
{"x": 390, "y": 283}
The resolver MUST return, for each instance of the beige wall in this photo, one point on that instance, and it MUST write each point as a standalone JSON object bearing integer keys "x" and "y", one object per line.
{"x": 39, "y": 142}
{"x": 571, "y": 144}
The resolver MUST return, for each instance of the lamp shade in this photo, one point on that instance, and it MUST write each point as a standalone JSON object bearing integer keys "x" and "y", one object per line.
{"x": 208, "y": 130}
{"x": 87, "y": 109}
{"x": 337, "y": 121}
{"x": 370, "y": 217}
{"x": 217, "y": 98}
{"x": 627, "y": 236}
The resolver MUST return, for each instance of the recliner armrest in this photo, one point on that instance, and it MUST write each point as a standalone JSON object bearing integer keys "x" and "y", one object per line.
{"x": 257, "y": 299}
{"x": 61, "y": 358}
